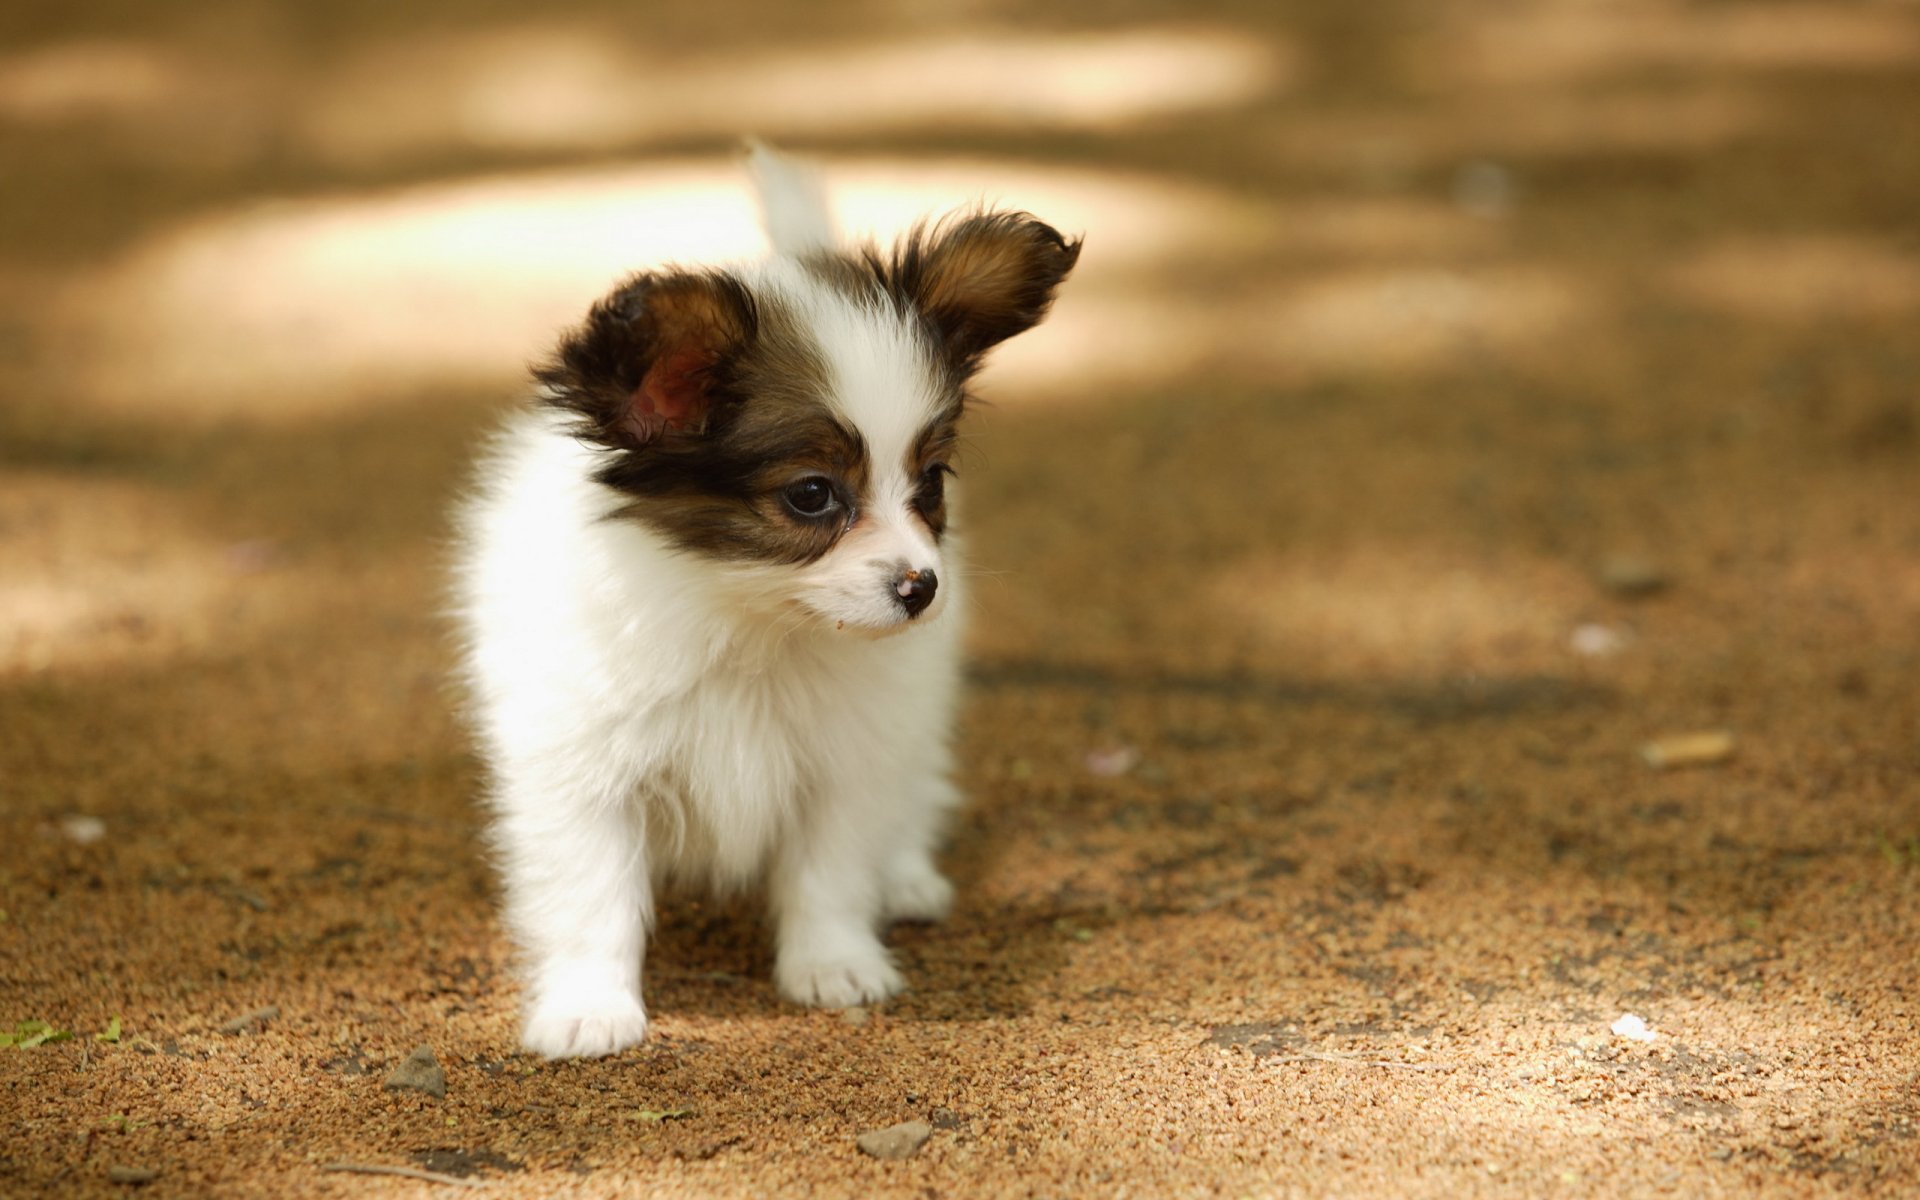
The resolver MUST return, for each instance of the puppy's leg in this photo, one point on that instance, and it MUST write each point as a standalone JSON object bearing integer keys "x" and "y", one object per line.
{"x": 580, "y": 901}
{"x": 826, "y": 897}
{"x": 912, "y": 888}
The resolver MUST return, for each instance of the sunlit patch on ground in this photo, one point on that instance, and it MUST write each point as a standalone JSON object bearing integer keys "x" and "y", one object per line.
{"x": 149, "y": 102}
{"x": 104, "y": 571}
{"x": 1386, "y": 611}
{"x": 1350, "y": 229}
{"x": 1387, "y": 149}
{"x": 1551, "y": 44}
{"x": 1336, "y": 323}
{"x": 575, "y": 88}
{"x": 1401, "y": 320}
{"x": 311, "y": 306}
{"x": 85, "y": 79}
{"x": 1808, "y": 279}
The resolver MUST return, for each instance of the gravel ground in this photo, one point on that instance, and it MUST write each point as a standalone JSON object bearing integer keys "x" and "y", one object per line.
{"x": 1450, "y": 579}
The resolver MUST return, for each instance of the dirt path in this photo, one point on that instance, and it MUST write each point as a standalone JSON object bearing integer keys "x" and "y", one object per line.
{"x": 1456, "y": 399}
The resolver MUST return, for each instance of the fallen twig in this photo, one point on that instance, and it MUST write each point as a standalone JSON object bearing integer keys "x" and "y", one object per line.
{"x": 252, "y": 1020}
{"x": 407, "y": 1172}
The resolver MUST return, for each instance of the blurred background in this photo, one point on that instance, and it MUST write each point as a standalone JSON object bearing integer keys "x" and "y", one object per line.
{"x": 1454, "y": 397}
{"x": 1520, "y": 264}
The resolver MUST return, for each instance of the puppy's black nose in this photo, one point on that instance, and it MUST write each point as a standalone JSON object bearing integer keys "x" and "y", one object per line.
{"x": 915, "y": 590}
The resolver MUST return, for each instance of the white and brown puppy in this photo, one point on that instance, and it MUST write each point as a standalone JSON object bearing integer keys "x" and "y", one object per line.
{"x": 709, "y": 595}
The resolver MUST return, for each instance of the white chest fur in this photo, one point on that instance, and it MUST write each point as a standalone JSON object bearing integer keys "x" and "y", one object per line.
{"x": 648, "y": 718}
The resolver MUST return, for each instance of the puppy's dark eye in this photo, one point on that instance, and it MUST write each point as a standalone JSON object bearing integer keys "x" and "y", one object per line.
{"x": 933, "y": 486}
{"x": 810, "y": 497}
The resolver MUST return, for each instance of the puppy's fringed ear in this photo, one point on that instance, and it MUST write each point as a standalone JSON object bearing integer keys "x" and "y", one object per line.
{"x": 981, "y": 278}
{"x": 651, "y": 357}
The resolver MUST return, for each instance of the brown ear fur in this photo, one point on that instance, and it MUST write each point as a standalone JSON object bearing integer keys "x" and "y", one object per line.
{"x": 650, "y": 356}
{"x": 981, "y": 278}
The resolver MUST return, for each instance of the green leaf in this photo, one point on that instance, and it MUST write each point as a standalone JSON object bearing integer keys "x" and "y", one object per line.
{"x": 31, "y": 1033}
{"x": 112, "y": 1032}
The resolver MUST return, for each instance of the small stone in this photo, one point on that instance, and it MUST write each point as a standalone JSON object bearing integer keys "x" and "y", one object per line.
{"x": 1483, "y": 189}
{"x": 1632, "y": 575}
{"x": 83, "y": 829}
{"x": 1596, "y": 641}
{"x": 897, "y": 1141}
{"x": 419, "y": 1072}
{"x": 1112, "y": 761}
{"x": 257, "y": 1017}
{"x": 1633, "y": 1028}
{"x": 250, "y": 557}
{"x": 855, "y": 1016}
{"x": 135, "y": 1176}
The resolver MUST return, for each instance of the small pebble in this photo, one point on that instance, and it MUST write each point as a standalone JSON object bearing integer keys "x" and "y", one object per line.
{"x": 133, "y": 1175}
{"x": 82, "y": 829}
{"x": 250, "y": 557}
{"x": 419, "y": 1072}
{"x": 258, "y": 1016}
{"x": 897, "y": 1141}
{"x": 1483, "y": 189}
{"x": 1112, "y": 762}
{"x": 1700, "y": 749}
{"x": 855, "y": 1016}
{"x": 1596, "y": 641}
{"x": 1632, "y": 1028}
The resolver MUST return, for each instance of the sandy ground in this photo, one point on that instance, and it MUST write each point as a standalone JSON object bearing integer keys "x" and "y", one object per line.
{"x": 1455, "y": 399}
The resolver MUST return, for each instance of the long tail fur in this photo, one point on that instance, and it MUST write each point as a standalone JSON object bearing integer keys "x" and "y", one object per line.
{"x": 793, "y": 203}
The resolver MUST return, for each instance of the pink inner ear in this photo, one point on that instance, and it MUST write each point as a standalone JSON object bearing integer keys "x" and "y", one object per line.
{"x": 672, "y": 396}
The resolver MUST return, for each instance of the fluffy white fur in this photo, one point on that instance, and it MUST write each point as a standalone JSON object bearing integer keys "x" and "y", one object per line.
{"x": 652, "y": 715}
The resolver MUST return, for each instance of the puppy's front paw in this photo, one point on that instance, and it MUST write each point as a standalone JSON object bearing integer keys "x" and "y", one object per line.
{"x": 840, "y": 981}
{"x": 585, "y": 1027}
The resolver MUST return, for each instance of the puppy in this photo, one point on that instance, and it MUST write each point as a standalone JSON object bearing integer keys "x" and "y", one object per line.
{"x": 709, "y": 598}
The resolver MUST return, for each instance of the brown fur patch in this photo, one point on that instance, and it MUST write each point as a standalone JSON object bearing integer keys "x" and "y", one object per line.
{"x": 697, "y": 324}
{"x": 715, "y": 401}
{"x": 973, "y": 280}
{"x": 715, "y": 488}
{"x": 978, "y": 279}
{"x": 674, "y": 331}
{"x": 929, "y": 463}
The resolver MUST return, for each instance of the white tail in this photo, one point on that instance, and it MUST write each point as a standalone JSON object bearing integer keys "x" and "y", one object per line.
{"x": 793, "y": 203}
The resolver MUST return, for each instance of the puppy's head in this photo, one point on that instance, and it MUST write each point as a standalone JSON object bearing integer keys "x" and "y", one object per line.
{"x": 796, "y": 422}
